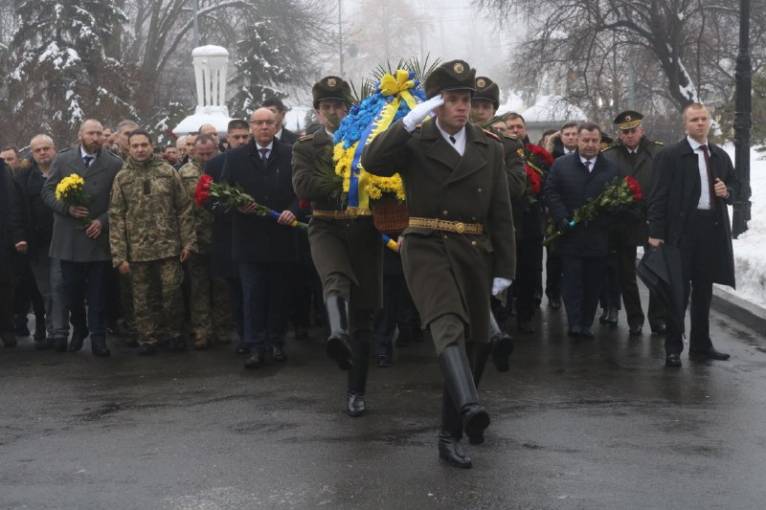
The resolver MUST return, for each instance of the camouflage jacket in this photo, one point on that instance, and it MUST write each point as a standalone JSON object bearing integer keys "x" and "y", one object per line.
{"x": 203, "y": 218}
{"x": 150, "y": 213}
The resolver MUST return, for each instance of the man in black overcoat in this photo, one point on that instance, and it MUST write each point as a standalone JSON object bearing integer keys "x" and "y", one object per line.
{"x": 575, "y": 179}
{"x": 263, "y": 248}
{"x": 693, "y": 182}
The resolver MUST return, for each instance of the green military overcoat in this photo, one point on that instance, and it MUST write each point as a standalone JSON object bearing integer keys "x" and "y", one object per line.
{"x": 450, "y": 273}
{"x": 352, "y": 248}
{"x": 631, "y": 228}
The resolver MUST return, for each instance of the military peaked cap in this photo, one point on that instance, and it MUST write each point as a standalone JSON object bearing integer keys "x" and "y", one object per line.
{"x": 487, "y": 90}
{"x": 452, "y": 75}
{"x": 628, "y": 120}
{"x": 331, "y": 87}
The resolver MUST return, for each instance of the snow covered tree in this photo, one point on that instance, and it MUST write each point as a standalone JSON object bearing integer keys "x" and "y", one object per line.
{"x": 276, "y": 50}
{"x": 64, "y": 67}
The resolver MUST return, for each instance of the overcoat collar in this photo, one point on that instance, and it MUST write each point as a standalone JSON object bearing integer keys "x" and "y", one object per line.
{"x": 439, "y": 150}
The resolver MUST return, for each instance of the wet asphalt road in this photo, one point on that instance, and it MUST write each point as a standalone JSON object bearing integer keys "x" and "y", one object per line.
{"x": 575, "y": 425}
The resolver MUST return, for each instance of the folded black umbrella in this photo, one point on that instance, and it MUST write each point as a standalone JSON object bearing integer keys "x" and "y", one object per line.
{"x": 660, "y": 270}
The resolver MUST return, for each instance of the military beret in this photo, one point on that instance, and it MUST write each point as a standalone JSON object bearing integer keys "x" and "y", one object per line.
{"x": 628, "y": 119}
{"x": 487, "y": 90}
{"x": 331, "y": 87}
{"x": 452, "y": 75}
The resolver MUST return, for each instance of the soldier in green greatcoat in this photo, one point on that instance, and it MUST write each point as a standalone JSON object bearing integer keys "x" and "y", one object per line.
{"x": 459, "y": 245}
{"x": 345, "y": 246}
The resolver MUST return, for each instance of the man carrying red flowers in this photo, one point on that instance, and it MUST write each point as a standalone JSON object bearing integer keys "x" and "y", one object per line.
{"x": 632, "y": 155}
{"x": 574, "y": 181}
{"x": 531, "y": 227}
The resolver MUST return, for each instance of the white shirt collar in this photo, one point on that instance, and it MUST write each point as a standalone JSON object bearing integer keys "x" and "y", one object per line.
{"x": 695, "y": 145}
{"x": 269, "y": 146}
{"x": 279, "y": 134}
{"x": 583, "y": 159}
{"x": 459, "y": 144}
{"x": 84, "y": 153}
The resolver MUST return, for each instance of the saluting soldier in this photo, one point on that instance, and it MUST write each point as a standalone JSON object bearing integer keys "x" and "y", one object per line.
{"x": 346, "y": 248}
{"x": 484, "y": 105}
{"x": 459, "y": 244}
{"x": 633, "y": 154}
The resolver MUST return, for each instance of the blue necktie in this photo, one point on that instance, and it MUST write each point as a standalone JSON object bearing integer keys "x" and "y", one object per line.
{"x": 87, "y": 160}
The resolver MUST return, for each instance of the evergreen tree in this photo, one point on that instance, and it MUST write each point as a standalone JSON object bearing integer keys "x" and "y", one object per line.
{"x": 278, "y": 43}
{"x": 61, "y": 68}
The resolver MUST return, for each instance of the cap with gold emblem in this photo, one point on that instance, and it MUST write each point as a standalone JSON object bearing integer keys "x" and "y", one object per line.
{"x": 452, "y": 75}
{"x": 487, "y": 90}
{"x": 628, "y": 120}
{"x": 331, "y": 87}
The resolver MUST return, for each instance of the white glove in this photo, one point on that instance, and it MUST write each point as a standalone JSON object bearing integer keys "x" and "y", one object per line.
{"x": 420, "y": 112}
{"x": 499, "y": 285}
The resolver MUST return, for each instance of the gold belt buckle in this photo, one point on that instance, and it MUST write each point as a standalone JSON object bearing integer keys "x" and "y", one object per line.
{"x": 460, "y": 227}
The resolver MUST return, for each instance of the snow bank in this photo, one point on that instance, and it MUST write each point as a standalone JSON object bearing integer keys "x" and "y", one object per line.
{"x": 750, "y": 248}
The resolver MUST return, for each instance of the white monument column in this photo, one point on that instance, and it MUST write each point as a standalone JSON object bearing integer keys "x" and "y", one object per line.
{"x": 210, "y": 64}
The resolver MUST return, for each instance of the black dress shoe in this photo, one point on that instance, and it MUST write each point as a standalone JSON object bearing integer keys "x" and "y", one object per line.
{"x": 301, "y": 334}
{"x": 525, "y": 327}
{"x": 242, "y": 349}
{"x": 451, "y": 452}
{"x": 355, "y": 405}
{"x": 501, "y": 351}
{"x": 98, "y": 347}
{"x": 659, "y": 330}
{"x": 708, "y": 354}
{"x": 604, "y": 315}
{"x": 147, "y": 350}
{"x": 586, "y": 333}
{"x": 611, "y": 316}
{"x": 574, "y": 332}
{"x": 278, "y": 354}
{"x": 634, "y": 331}
{"x": 60, "y": 344}
{"x": 78, "y": 337}
{"x": 383, "y": 362}
{"x": 673, "y": 360}
{"x": 256, "y": 360}
{"x": 554, "y": 302}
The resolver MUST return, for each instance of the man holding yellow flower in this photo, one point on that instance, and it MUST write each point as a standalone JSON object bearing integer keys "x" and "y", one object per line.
{"x": 79, "y": 231}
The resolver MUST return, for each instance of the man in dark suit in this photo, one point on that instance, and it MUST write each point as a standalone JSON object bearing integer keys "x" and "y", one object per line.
{"x": 262, "y": 247}
{"x": 279, "y": 110}
{"x": 693, "y": 182}
{"x": 574, "y": 180}
{"x": 11, "y": 241}
{"x": 221, "y": 260}
{"x": 84, "y": 252}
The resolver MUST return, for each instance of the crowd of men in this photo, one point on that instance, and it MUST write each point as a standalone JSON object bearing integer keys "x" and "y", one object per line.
{"x": 140, "y": 259}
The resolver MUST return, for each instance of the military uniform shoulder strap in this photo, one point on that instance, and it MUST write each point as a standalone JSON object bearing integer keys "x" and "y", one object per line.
{"x": 306, "y": 138}
{"x": 491, "y": 135}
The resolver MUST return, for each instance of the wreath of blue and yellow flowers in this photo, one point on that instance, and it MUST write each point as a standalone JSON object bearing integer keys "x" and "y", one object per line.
{"x": 395, "y": 95}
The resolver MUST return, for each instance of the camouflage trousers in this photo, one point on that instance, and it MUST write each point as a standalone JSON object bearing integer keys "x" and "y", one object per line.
{"x": 157, "y": 306}
{"x": 209, "y": 303}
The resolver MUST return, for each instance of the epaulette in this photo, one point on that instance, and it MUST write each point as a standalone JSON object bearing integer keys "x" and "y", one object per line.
{"x": 65, "y": 149}
{"x": 491, "y": 135}
{"x": 655, "y": 142}
{"x": 608, "y": 147}
{"x": 306, "y": 138}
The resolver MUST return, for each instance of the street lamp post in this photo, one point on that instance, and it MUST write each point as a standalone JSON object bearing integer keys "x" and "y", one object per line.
{"x": 743, "y": 122}
{"x": 340, "y": 34}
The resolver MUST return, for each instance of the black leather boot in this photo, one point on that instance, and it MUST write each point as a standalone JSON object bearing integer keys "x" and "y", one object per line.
{"x": 98, "y": 347}
{"x": 337, "y": 346}
{"x": 60, "y": 344}
{"x": 503, "y": 345}
{"x": 357, "y": 376}
{"x": 478, "y": 356}
{"x": 458, "y": 379}
{"x": 450, "y": 434}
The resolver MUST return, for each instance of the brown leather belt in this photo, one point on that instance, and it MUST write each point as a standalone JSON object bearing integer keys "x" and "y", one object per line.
{"x": 457, "y": 227}
{"x": 339, "y": 215}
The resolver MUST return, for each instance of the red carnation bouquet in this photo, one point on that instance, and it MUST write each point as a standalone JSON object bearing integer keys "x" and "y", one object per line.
{"x": 537, "y": 161}
{"x": 222, "y": 196}
{"x": 620, "y": 193}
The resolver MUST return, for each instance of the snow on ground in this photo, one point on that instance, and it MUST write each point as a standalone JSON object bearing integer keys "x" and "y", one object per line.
{"x": 750, "y": 248}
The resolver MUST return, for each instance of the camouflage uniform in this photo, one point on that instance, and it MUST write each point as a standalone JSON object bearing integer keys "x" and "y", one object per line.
{"x": 198, "y": 265}
{"x": 151, "y": 222}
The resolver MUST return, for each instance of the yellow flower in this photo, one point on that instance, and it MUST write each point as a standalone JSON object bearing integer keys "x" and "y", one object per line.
{"x": 69, "y": 184}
